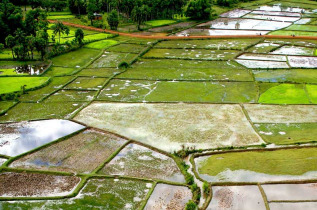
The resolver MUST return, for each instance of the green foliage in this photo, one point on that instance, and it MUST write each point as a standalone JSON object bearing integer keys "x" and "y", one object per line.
{"x": 91, "y": 9}
{"x": 79, "y": 36}
{"x": 198, "y": 9}
{"x": 196, "y": 192}
{"x": 59, "y": 28}
{"x": 191, "y": 205}
{"x": 139, "y": 14}
{"x": 206, "y": 188}
{"x": 123, "y": 64}
{"x": 113, "y": 20}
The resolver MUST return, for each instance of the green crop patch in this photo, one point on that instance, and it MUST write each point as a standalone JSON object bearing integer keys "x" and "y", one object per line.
{"x": 59, "y": 71}
{"x": 101, "y": 44}
{"x": 36, "y": 111}
{"x": 14, "y": 84}
{"x": 312, "y": 93}
{"x": 155, "y": 23}
{"x": 99, "y": 72}
{"x": 54, "y": 85}
{"x": 259, "y": 165}
{"x": 141, "y": 162}
{"x": 296, "y": 33}
{"x": 112, "y": 59}
{"x": 279, "y": 133}
{"x": 294, "y": 75}
{"x": 302, "y": 28}
{"x": 9, "y": 72}
{"x": 81, "y": 153}
{"x": 76, "y": 58}
{"x": 72, "y": 95}
{"x": 218, "y": 70}
{"x": 215, "y": 44}
{"x": 5, "y": 105}
{"x": 89, "y": 83}
{"x": 285, "y": 94}
{"x": 97, "y": 193}
{"x": 126, "y": 48}
{"x": 264, "y": 47}
{"x": 194, "y": 54}
{"x": 171, "y": 91}
{"x": 59, "y": 17}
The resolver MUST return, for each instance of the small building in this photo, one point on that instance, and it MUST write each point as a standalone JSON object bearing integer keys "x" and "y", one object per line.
{"x": 97, "y": 16}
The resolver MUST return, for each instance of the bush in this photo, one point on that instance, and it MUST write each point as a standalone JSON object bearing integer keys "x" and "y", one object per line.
{"x": 196, "y": 193}
{"x": 191, "y": 205}
{"x": 206, "y": 188}
{"x": 123, "y": 64}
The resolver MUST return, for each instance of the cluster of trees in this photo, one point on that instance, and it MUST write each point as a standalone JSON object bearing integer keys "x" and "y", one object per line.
{"x": 48, "y": 5}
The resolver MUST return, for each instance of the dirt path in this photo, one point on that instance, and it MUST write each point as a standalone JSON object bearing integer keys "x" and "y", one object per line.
{"x": 183, "y": 37}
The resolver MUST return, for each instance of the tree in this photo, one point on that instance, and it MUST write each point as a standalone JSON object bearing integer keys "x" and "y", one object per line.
{"x": 10, "y": 42}
{"x": 198, "y": 9}
{"x": 79, "y": 36}
{"x": 40, "y": 46}
{"x": 139, "y": 14}
{"x": 113, "y": 20}
{"x": 59, "y": 28}
{"x": 31, "y": 21}
{"x": 91, "y": 9}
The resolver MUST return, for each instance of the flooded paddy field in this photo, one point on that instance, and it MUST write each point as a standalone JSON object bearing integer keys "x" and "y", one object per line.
{"x": 35, "y": 185}
{"x": 171, "y": 91}
{"x": 138, "y": 161}
{"x": 242, "y": 109}
{"x": 81, "y": 153}
{"x": 236, "y": 197}
{"x": 97, "y": 193}
{"x": 259, "y": 166}
{"x": 287, "y": 192}
{"x": 287, "y": 133}
{"x": 168, "y": 197}
{"x": 18, "y": 138}
{"x": 168, "y": 126}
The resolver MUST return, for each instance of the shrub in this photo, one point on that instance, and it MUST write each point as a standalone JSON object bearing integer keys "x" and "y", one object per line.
{"x": 123, "y": 64}
{"x": 206, "y": 188}
{"x": 191, "y": 205}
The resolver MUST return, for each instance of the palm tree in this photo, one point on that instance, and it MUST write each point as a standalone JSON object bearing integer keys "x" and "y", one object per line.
{"x": 59, "y": 28}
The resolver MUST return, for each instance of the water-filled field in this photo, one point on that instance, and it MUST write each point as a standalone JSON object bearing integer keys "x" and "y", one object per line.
{"x": 167, "y": 122}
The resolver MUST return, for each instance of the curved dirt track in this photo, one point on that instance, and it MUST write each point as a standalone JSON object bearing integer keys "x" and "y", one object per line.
{"x": 184, "y": 37}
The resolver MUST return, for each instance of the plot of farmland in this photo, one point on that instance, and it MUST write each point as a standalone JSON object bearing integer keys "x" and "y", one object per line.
{"x": 168, "y": 126}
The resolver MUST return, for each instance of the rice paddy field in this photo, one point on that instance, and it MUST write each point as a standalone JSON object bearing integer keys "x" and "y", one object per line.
{"x": 158, "y": 123}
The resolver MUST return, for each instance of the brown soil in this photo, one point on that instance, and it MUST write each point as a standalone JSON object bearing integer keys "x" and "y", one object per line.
{"x": 225, "y": 198}
{"x": 32, "y": 184}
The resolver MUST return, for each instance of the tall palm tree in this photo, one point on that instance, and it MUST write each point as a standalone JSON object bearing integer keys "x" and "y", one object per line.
{"x": 59, "y": 28}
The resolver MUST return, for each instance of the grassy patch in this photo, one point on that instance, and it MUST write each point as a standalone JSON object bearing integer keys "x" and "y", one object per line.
{"x": 36, "y": 111}
{"x": 87, "y": 83}
{"x": 112, "y": 59}
{"x": 76, "y": 58}
{"x": 5, "y": 105}
{"x": 161, "y": 91}
{"x": 155, "y": 23}
{"x": 6, "y": 54}
{"x": 56, "y": 82}
{"x": 13, "y": 84}
{"x": 59, "y": 71}
{"x": 302, "y": 28}
{"x": 294, "y": 75}
{"x": 285, "y": 94}
{"x": 99, "y": 72}
{"x": 216, "y": 44}
{"x": 59, "y": 17}
{"x": 101, "y": 44}
{"x": 296, "y": 33}
{"x": 127, "y": 48}
{"x": 279, "y": 162}
{"x": 71, "y": 95}
{"x": 199, "y": 54}
{"x": 288, "y": 133}
{"x": 8, "y": 72}
{"x": 312, "y": 93}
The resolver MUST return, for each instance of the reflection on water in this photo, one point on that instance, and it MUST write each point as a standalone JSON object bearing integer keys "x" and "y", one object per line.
{"x": 18, "y": 138}
{"x": 31, "y": 69}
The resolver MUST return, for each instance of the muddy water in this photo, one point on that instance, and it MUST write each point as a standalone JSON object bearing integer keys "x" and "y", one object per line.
{"x": 168, "y": 197}
{"x": 236, "y": 197}
{"x": 18, "y": 138}
{"x": 291, "y": 191}
{"x": 294, "y": 206}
